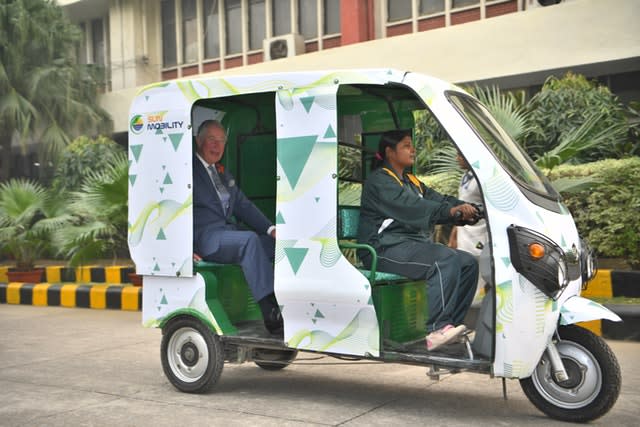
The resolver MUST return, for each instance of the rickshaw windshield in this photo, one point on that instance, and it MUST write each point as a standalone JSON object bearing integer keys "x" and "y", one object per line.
{"x": 505, "y": 149}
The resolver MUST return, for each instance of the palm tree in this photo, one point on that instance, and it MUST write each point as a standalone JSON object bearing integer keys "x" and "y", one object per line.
{"x": 28, "y": 215}
{"x": 99, "y": 216}
{"x": 45, "y": 95}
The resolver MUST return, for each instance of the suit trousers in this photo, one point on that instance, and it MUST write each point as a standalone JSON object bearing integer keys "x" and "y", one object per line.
{"x": 253, "y": 252}
{"x": 451, "y": 276}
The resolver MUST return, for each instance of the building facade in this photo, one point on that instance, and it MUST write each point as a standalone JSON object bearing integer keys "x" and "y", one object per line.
{"x": 511, "y": 43}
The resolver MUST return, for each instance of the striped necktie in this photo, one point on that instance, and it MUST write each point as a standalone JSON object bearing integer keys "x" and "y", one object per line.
{"x": 222, "y": 191}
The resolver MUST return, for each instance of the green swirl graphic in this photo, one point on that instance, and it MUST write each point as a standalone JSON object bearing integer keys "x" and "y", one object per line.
{"x": 166, "y": 210}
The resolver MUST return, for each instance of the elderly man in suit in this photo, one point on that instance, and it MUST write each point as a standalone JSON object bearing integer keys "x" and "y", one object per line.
{"x": 217, "y": 202}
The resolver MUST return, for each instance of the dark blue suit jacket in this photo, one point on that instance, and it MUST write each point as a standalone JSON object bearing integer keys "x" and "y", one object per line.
{"x": 208, "y": 215}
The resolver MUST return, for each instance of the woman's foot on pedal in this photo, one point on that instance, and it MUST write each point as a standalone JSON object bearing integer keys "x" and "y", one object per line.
{"x": 444, "y": 335}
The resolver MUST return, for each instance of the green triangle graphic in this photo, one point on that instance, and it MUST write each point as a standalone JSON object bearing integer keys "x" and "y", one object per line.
{"x": 295, "y": 257}
{"x": 130, "y": 163}
{"x": 132, "y": 179}
{"x": 329, "y": 133}
{"x": 156, "y": 268}
{"x": 314, "y": 320}
{"x": 476, "y": 165}
{"x": 280, "y": 218}
{"x": 370, "y": 302}
{"x": 563, "y": 242}
{"x": 167, "y": 179}
{"x": 163, "y": 301}
{"x": 164, "y": 138}
{"x": 307, "y": 101}
{"x": 136, "y": 149}
{"x": 506, "y": 261}
{"x": 318, "y": 314}
{"x": 293, "y": 154}
{"x": 175, "y": 140}
{"x": 161, "y": 235}
{"x": 161, "y": 190}
{"x": 317, "y": 199}
{"x": 146, "y": 98}
{"x": 158, "y": 131}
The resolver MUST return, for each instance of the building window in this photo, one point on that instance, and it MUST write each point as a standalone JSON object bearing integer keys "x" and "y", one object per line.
{"x": 428, "y": 7}
{"x": 233, "y": 14}
{"x": 398, "y": 10}
{"x": 331, "y": 16}
{"x": 257, "y": 30}
{"x": 463, "y": 3}
{"x": 308, "y": 18}
{"x": 97, "y": 38}
{"x": 281, "y": 12}
{"x": 82, "y": 46}
{"x": 211, "y": 29}
{"x": 189, "y": 32}
{"x": 169, "y": 57}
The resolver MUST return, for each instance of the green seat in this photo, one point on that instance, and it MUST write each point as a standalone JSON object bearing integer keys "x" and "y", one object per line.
{"x": 348, "y": 218}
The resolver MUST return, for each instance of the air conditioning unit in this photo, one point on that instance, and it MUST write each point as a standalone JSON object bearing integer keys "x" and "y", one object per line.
{"x": 284, "y": 46}
{"x": 532, "y": 4}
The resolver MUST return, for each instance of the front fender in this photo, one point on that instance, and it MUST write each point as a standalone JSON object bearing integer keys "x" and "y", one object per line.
{"x": 578, "y": 309}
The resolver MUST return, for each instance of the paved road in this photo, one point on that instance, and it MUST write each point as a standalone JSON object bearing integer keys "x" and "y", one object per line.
{"x": 67, "y": 367}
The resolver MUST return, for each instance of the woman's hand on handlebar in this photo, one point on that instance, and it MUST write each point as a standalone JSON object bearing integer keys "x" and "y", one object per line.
{"x": 465, "y": 212}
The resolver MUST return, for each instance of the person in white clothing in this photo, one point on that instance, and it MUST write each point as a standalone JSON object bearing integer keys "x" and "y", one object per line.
{"x": 470, "y": 238}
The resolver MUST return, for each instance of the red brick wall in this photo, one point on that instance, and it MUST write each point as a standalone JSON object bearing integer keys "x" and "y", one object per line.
{"x": 332, "y": 42}
{"x": 169, "y": 74}
{"x": 254, "y": 58}
{"x": 189, "y": 71}
{"x": 233, "y": 62}
{"x": 400, "y": 29}
{"x": 431, "y": 23}
{"x": 355, "y": 24}
{"x": 502, "y": 8}
{"x": 310, "y": 47}
{"x": 211, "y": 66}
{"x": 465, "y": 16}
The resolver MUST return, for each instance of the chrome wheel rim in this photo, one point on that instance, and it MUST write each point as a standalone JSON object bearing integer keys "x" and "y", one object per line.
{"x": 585, "y": 377}
{"x": 188, "y": 354}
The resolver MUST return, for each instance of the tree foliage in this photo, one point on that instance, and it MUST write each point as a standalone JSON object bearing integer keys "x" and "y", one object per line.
{"x": 45, "y": 95}
{"x": 83, "y": 157}
{"x": 564, "y": 105}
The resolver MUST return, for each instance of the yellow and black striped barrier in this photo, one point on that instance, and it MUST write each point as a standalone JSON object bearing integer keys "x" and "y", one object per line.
{"x": 88, "y": 286}
{"x": 100, "y": 296}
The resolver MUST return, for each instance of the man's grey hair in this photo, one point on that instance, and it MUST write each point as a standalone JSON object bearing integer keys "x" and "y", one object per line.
{"x": 210, "y": 123}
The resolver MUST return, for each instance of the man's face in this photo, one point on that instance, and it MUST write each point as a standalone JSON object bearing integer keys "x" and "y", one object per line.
{"x": 211, "y": 144}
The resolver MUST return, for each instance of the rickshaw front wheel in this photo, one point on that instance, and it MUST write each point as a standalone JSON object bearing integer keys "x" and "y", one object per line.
{"x": 594, "y": 378}
{"x": 192, "y": 356}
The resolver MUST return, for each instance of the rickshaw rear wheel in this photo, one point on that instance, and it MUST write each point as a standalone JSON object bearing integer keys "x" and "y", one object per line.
{"x": 192, "y": 356}
{"x": 594, "y": 378}
{"x": 274, "y": 360}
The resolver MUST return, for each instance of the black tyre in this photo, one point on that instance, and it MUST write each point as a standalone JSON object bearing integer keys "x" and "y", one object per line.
{"x": 274, "y": 360}
{"x": 192, "y": 356}
{"x": 594, "y": 378}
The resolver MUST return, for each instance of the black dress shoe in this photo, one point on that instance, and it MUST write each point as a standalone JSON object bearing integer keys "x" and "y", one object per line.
{"x": 273, "y": 322}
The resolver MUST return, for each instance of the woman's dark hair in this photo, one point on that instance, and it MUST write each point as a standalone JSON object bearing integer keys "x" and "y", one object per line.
{"x": 388, "y": 139}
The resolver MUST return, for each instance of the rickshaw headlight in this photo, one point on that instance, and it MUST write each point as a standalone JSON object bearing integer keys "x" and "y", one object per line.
{"x": 538, "y": 259}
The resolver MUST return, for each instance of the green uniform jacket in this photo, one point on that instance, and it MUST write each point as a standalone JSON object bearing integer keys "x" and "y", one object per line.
{"x": 413, "y": 207}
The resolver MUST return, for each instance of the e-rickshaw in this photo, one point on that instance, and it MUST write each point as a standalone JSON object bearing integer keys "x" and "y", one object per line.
{"x": 298, "y": 146}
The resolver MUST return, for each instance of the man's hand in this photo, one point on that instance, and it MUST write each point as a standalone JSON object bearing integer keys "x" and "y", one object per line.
{"x": 196, "y": 257}
{"x": 273, "y": 232}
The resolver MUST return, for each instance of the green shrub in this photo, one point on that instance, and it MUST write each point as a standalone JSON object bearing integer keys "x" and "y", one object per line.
{"x": 606, "y": 214}
{"x": 83, "y": 157}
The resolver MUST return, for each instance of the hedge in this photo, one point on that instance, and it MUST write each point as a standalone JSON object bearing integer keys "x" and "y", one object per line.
{"x": 607, "y": 213}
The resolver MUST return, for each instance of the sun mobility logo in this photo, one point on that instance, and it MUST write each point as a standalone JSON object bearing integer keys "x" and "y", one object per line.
{"x": 156, "y": 121}
{"x": 137, "y": 124}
